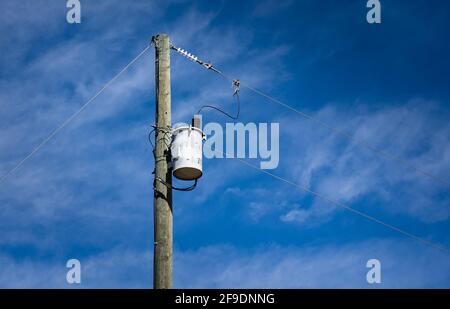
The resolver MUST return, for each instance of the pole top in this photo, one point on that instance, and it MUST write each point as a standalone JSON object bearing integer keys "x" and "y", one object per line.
{"x": 161, "y": 37}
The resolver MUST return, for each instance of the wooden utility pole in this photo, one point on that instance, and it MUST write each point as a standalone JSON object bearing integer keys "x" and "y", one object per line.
{"x": 163, "y": 220}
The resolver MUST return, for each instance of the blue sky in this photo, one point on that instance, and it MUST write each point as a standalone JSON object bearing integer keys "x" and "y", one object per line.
{"x": 88, "y": 193}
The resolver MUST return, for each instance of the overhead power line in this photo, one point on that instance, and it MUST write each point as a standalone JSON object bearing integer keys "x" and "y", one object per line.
{"x": 298, "y": 186}
{"x": 353, "y": 210}
{"x": 354, "y": 140}
{"x": 236, "y": 85}
{"x": 72, "y": 117}
{"x": 381, "y": 153}
{"x": 339, "y": 132}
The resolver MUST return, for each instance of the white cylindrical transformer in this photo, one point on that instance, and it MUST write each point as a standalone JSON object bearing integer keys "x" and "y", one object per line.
{"x": 187, "y": 152}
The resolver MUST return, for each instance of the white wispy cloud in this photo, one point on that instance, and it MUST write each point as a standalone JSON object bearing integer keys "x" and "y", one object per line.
{"x": 321, "y": 266}
{"x": 95, "y": 178}
{"x": 341, "y": 170}
{"x": 98, "y": 169}
{"x": 226, "y": 266}
{"x": 336, "y": 168}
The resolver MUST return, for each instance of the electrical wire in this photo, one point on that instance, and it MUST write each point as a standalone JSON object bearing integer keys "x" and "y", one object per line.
{"x": 168, "y": 185}
{"x": 73, "y": 116}
{"x": 222, "y": 111}
{"x": 209, "y": 66}
{"x": 150, "y": 138}
{"x": 166, "y": 132}
{"x": 381, "y": 153}
{"x": 353, "y": 210}
{"x": 339, "y": 132}
{"x": 351, "y": 138}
